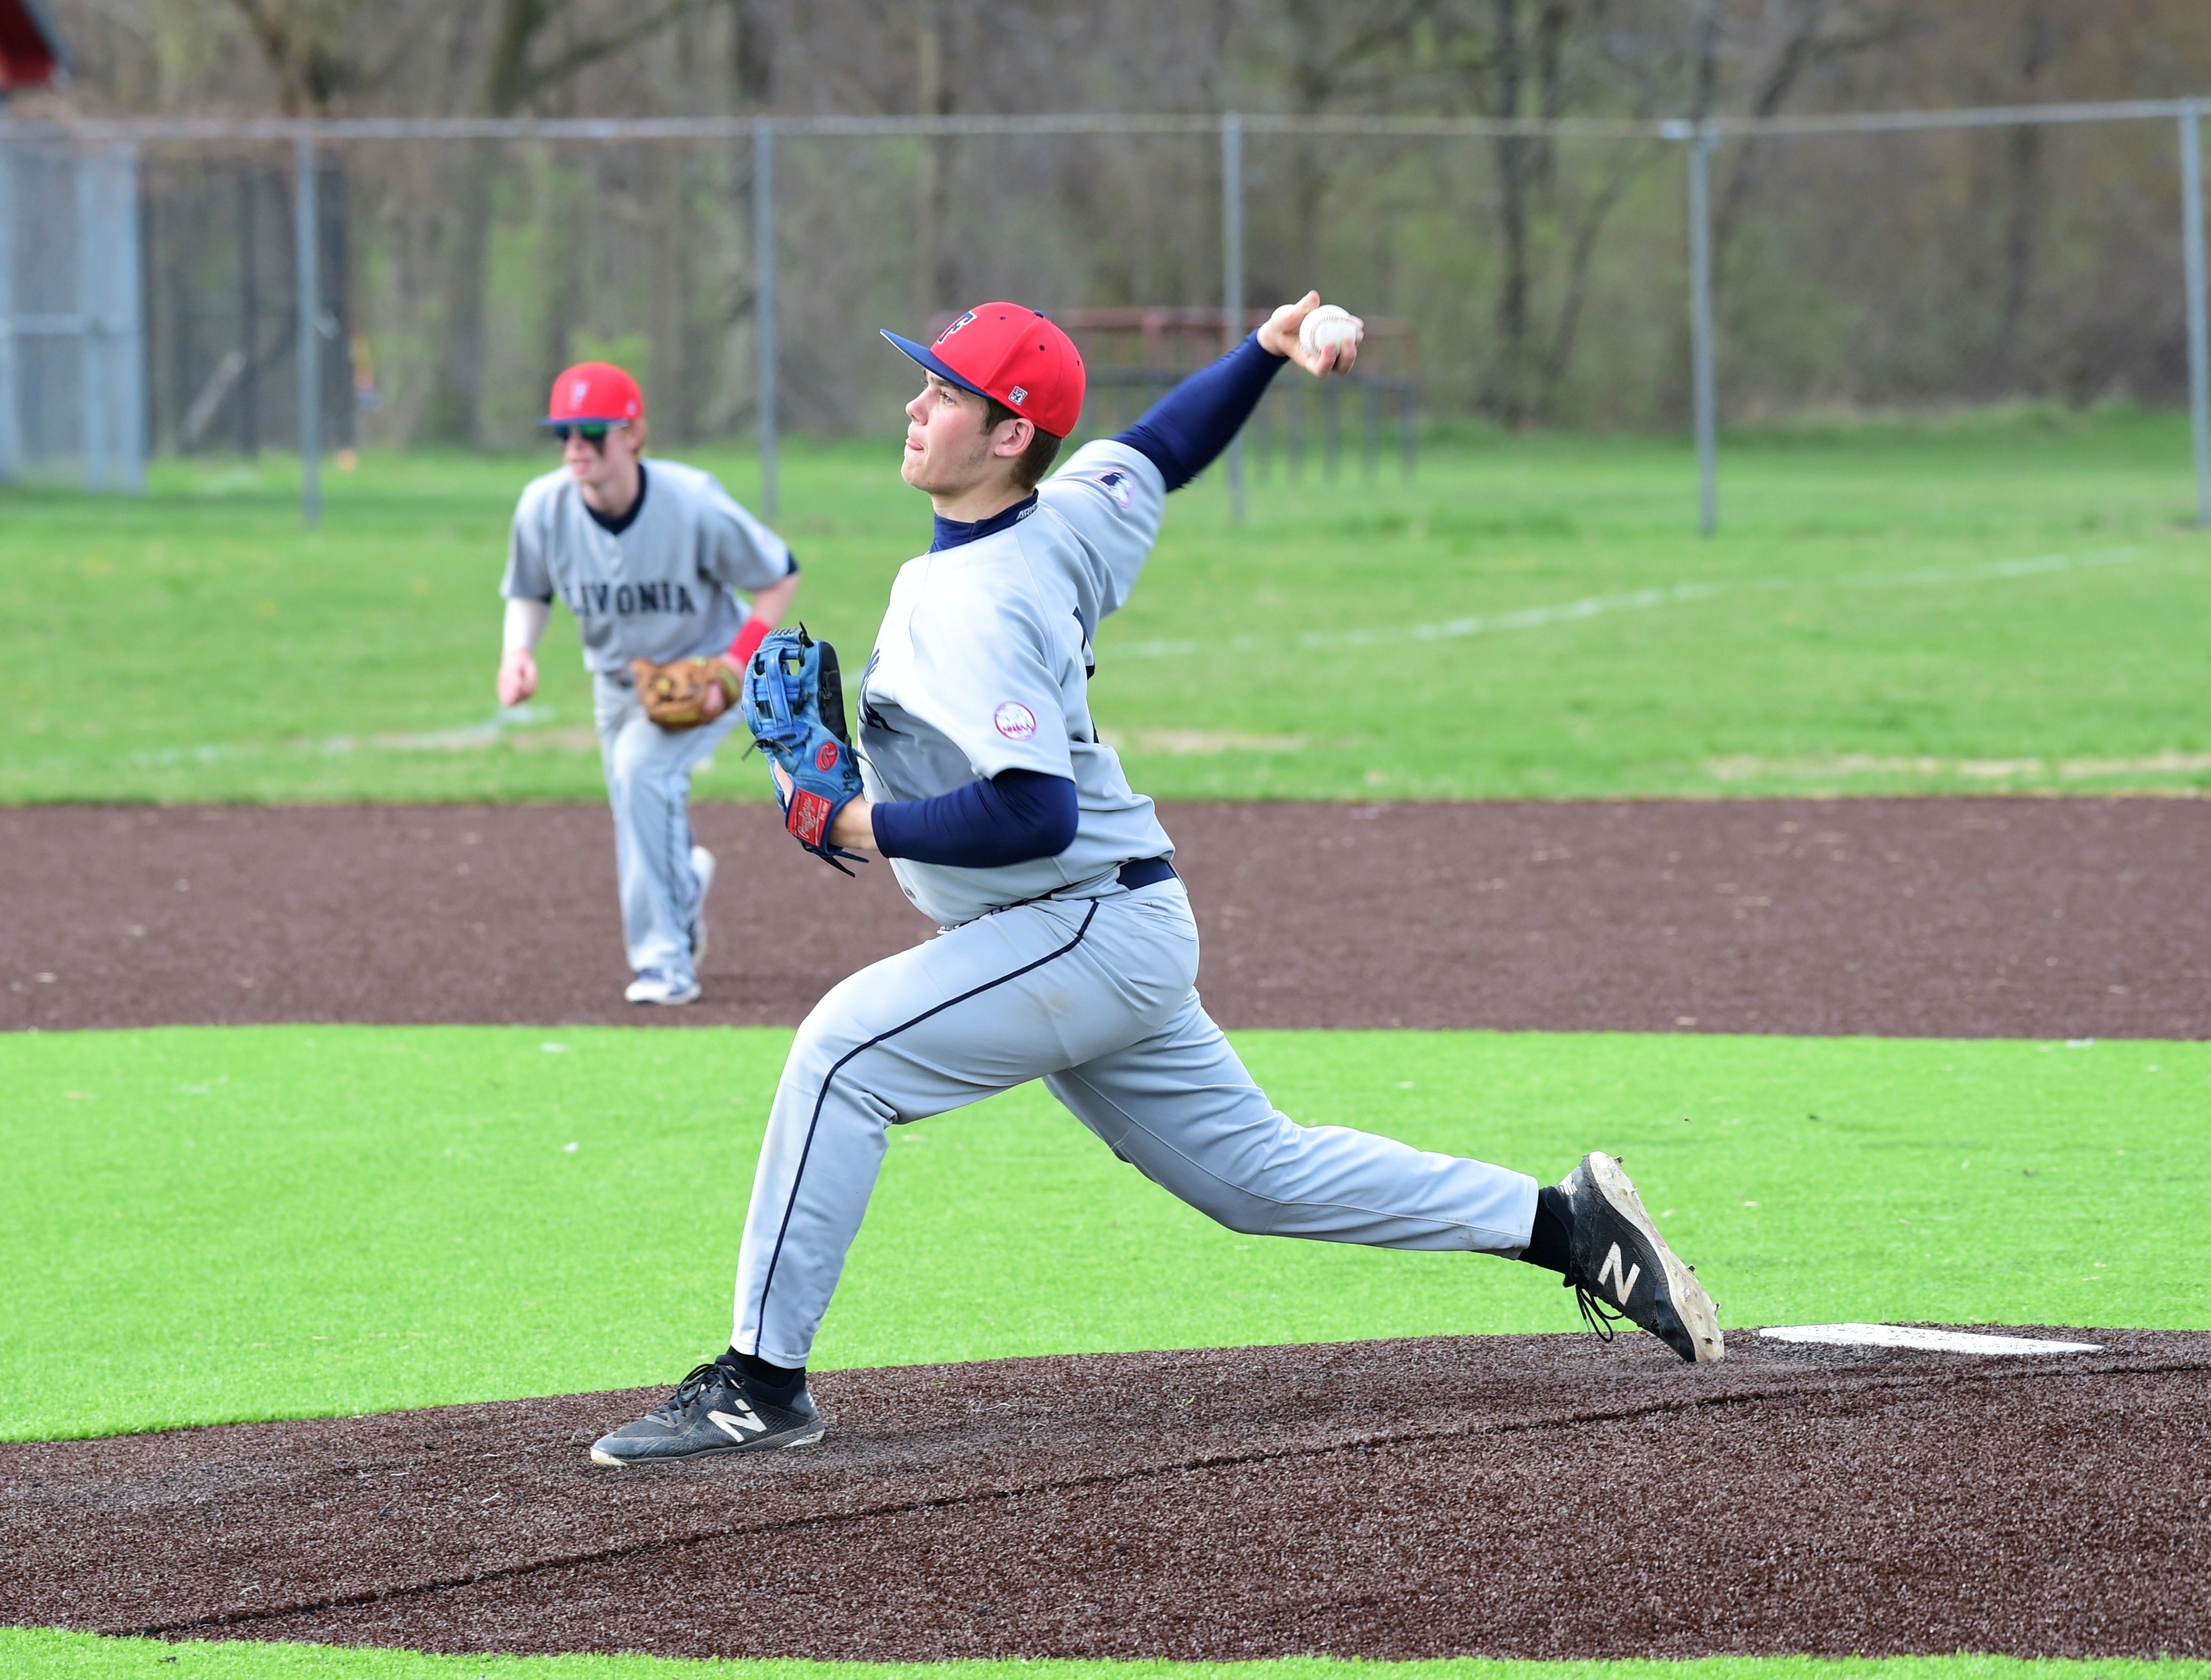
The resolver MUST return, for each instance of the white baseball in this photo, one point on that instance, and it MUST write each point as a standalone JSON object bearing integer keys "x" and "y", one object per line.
{"x": 1328, "y": 327}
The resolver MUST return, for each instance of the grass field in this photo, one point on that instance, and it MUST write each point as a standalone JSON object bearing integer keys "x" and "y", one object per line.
{"x": 309, "y": 1220}
{"x": 84, "y": 1657}
{"x": 2008, "y": 602}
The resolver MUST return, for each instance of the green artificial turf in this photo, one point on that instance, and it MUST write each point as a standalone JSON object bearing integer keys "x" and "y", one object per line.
{"x": 88, "y": 1657}
{"x": 294, "y": 1221}
{"x": 2004, "y": 601}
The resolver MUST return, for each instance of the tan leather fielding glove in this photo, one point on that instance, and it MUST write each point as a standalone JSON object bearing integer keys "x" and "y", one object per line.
{"x": 674, "y": 695}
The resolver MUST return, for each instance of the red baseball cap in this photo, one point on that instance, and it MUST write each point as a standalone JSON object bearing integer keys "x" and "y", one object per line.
{"x": 1006, "y": 351}
{"x": 593, "y": 391}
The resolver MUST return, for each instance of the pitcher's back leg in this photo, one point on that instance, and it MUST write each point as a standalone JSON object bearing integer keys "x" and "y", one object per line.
{"x": 1179, "y": 1106}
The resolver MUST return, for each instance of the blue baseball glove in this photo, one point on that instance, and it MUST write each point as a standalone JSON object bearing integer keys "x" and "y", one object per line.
{"x": 794, "y": 704}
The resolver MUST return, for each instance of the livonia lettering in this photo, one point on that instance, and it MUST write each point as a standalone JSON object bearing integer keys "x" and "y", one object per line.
{"x": 627, "y": 600}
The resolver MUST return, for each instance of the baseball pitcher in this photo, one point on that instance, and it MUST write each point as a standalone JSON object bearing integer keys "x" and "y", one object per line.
{"x": 1068, "y": 952}
{"x": 649, "y": 558}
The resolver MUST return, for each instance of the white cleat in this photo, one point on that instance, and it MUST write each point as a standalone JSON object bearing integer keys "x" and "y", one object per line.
{"x": 652, "y": 986}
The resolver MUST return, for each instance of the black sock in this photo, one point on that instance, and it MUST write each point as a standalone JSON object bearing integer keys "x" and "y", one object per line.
{"x": 779, "y": 1383}
{"x": 1550, "y": 1244}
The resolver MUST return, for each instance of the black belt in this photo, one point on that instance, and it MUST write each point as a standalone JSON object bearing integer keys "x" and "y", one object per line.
{"x": 1146, "y": 872}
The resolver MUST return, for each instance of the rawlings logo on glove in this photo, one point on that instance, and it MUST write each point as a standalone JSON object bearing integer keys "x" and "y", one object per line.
{"x": 793, "y": 703}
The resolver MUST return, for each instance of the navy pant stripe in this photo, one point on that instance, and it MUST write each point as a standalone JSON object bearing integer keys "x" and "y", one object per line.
{"x": 791, "y": 1206}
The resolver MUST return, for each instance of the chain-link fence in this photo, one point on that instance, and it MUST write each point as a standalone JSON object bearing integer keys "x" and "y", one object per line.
{"x": 1613, "y": 273}
{"x": 72, "y": 347}
{"x": 220, "y": 232}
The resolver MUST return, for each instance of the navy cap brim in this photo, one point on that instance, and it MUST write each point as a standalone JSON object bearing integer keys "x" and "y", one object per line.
{"x": 929, "y": 358}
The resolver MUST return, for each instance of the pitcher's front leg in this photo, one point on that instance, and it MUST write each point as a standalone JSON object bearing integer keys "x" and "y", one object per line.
{"x": 977, "y": 1011}
{"x": 826, "y": 1135}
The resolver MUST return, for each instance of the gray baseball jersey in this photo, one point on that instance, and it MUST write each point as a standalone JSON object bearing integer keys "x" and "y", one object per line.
{"x": 660, "y": 589}
{"x": 983, "y": 665}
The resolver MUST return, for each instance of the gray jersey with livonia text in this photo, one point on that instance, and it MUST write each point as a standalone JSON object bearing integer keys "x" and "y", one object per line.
{"x": 983, "y": 665}
{"x": 661, "y": 589}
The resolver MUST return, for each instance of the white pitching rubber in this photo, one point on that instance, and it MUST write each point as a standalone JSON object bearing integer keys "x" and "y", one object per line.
{"x": 1922, "y": 1341}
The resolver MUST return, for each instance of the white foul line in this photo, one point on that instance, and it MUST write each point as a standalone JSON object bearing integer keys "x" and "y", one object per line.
{"x": 1639, "y": 600}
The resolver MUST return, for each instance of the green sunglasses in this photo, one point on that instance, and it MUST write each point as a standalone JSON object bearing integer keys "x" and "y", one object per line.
{"x": 591, "y": 431}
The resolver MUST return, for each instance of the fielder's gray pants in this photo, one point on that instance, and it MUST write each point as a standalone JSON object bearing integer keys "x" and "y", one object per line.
{"x": 1094, "y": 997}
{"x": 648, "y": 771}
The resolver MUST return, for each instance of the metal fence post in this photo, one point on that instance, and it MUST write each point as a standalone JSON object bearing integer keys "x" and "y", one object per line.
{"x": 127, "y": 344}
{"x": 2199, "y": 335}
{"x": 1703, "y": 395}
{"x": 309, "y": 292}
{"x": 764, "y": 303}
{"x": 1231, "y": 286}
{"x": 92, "y": 261}
{"x": 11, "y": 438}
{"x": 248, "y": 403}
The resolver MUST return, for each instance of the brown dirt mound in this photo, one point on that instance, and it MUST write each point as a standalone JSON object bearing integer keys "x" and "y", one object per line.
{"x": 1541, "y": 1496}
{"x": 1966, "y": 918}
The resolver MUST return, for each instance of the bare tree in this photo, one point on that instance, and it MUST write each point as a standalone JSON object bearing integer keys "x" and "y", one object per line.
{"x": 1792, "y": 39}
{"x": 933, "y": 280}
{"x": 1332, "y": 55}
{"x": 304, "y": 44}
{"x": 519, "y": 67}
{"x": 1753, "y": 58}
{"x": 752, "y": 54}
{"x": 1508, "y": 66}
{"x": 317, "y": 53}
{"x": 1520, "y": 274}
{"x": 1543, "y": 59}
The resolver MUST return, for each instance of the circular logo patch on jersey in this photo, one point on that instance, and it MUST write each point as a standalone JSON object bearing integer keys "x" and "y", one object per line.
{"x": 1015, "y": 720}
{"x": 825, "y": 756}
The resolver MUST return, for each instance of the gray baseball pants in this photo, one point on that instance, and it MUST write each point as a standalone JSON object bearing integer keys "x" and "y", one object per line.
{"x": 648, "y": 771}
{"x": 1094, "y": 997}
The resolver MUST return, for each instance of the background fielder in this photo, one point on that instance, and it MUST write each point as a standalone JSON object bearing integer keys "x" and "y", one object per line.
{"x": 649, "y": 559}
{"x": 1068, "y": 952}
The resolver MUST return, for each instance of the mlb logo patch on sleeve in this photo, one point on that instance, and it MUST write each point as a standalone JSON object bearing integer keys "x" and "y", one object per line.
{"x": 1115, "y": 482}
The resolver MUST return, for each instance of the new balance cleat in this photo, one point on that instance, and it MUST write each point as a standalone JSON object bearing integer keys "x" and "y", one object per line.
{"x": 714, "y": 1410}
{"x": 1622, "y": 1268}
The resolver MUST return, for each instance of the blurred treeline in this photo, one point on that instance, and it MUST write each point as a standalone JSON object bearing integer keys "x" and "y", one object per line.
{"x": 1544, "y": 280}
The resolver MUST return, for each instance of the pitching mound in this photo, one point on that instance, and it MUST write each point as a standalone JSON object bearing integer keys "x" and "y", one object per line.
{"x": 1543, "y": 1496}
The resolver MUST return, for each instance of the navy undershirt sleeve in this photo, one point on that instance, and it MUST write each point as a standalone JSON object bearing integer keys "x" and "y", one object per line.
{"x": 1015, "y": 817}
{"x": 1183, "y": 431}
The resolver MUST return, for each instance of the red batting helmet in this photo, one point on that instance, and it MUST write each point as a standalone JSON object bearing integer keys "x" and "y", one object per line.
{"x": 1013, "y": 354}
{"x": 594, "y": 391}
